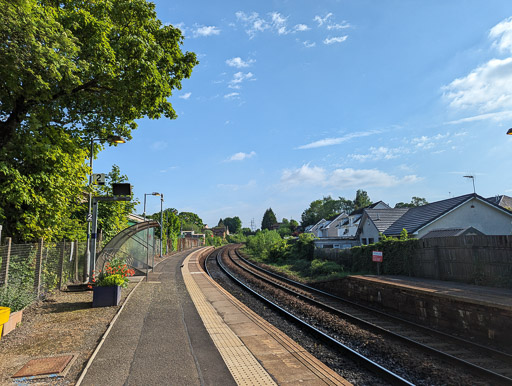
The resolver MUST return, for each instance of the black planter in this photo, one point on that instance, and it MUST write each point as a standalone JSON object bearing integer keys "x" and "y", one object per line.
{"x": 106, "y": 296}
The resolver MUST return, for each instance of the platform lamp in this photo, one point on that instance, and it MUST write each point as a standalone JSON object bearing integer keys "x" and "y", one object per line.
{"x": 509, "y": 132}
{"x": 110, "y": 139}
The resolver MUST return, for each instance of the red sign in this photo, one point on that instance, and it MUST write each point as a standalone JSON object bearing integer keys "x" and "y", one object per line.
{"x": 377, "y": 256}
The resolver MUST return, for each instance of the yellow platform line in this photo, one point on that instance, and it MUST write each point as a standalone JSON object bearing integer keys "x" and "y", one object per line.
{"x": 242, "y": 364}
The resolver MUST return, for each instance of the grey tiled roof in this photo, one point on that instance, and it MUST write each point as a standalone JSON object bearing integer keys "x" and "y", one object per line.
{"x": 449, "y": 232}
{"x": 503, "y": 201}
{"x": 417, "y": 217}
{"x": 384, "y": 218}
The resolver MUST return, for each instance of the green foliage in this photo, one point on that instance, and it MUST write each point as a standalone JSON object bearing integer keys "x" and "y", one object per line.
{"x": 362, "y": 199}
{"x": 113, "y": 216}
{"x": 415, "y": 201}
{"x": 269, "y": 219}
{"x": 15, "y": 297}
{"x": 211, "y": 240}
{"x": 112, "y": 280}
{"x": 236, "y": 238}
{"x": 234, "y": 224}
{"x": 262, "y": 242}
{"x": 70, "y": 71}
{"x": 328, "y": 207}
{"x": 322, "y": 268}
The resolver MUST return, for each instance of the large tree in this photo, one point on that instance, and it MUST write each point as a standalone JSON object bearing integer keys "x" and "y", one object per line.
{"x": 269, "y": 219}
{"x": 415, "y": 201}
{"x": 91, "y": 67}
{"x": 362, "y": 199}
{"x": 234, "y": 224}
{"x": 71, "y": 71}
{"x": 318, "y": 209}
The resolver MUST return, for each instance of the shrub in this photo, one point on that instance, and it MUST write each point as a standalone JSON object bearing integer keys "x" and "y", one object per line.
{"x": 15, "y": 297}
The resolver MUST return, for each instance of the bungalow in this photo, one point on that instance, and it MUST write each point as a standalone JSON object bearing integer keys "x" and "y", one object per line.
{"x": 470, "y": 210}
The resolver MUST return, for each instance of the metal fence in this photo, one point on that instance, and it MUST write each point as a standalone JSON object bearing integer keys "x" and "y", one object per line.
{"x": 44, "y": 267}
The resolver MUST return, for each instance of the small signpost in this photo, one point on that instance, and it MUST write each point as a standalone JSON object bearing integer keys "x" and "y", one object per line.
{"x": 98, "y": 178}
{"x": 377, "y": 258}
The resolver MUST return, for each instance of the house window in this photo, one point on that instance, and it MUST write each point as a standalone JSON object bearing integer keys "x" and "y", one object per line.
{"x": 370, "y": 240}
{"x": 327, "y": 246}
{"x": 336, "y": 246}
{"x": 364, "y": 241}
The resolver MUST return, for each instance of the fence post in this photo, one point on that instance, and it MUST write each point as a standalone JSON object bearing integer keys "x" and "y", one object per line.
{"x": 39, "y": 264}
{"x": 61, "y": 263}
{"x": 4, "y": 270}
{"x": 76, "y": 260}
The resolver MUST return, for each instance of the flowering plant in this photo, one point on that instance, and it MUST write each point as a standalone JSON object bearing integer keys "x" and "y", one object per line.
{"x": 115, "y": 273}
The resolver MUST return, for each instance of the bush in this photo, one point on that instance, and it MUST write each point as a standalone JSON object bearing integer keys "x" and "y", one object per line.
{"x": 324, "y": 267}
{"x": 15, "y": 297}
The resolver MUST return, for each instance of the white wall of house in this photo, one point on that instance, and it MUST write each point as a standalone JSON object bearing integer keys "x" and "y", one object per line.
{"x": 369, "y": 232}
{"x": 484, "y": 217}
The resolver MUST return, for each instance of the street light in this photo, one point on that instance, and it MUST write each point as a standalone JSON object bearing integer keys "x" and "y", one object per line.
{"x": 509, "y": 132}
{"x": 147, "y": 232}
{"x": 89, "y": 263}
{"x": 473, "y": 178}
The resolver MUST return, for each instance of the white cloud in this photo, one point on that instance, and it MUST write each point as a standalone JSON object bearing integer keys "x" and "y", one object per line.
{"x": 303, "y": 175}
{"x": 301, "y": 28}
{"x": 497, "y": 117}
{"x": 238, "y": 78}
{"x": 185, "y": 96}
{"x": 233, "y": 95}
{"x": 322, "y": 20}
{"x": 241, "y": 156}
{"x": 380, "y": 153}
{"x": 426, "y": 143}
{"x": 252, "y": 22}
{"x": 342, "y": 178}
{"x": 343, "y": 25}
{"x": 308, "y": 44}
{"x": 239, "y": 62}
{"x": 278, "y": 23}
{"x": 206, "y": 31}
{"x": 338, "y": 140}
{"x": 502, "y": 34}
{"x": 337, "y": 39}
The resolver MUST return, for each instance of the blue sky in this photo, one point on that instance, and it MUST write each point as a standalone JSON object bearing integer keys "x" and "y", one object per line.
{"x": 296, "y": 100}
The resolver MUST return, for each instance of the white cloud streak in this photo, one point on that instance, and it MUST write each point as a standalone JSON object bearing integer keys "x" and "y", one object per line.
{"x": 239, "y": 78}
{"x": 185, "y": 96}
{"x": 241, "y": 156}
{"x": 337, "y": 39}
{"x": 275, "y": 22}
{"x": 337, "y": 140}
{"x": 233, "y": 95}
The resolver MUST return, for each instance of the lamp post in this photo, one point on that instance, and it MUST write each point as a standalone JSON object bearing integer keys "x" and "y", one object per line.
{"x": 161, "y": 222}
{"x": 509, "y": 132}
{"x": 89, "y": 258}
{"x": 147, "y": 232}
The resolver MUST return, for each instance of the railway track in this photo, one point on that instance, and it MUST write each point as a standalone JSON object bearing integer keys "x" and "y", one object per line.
{"x": 489, "y": 364}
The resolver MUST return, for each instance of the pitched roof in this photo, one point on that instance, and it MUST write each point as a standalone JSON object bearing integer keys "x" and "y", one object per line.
{"x": 504, "y": 201}
{"x": 450, "y": 232}
{"x": 419, "y": 216}
{"x": 384, "y": 218}
{"x": 361, "y": 210}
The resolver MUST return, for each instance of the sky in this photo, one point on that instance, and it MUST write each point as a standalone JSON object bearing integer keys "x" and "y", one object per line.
{"x": 295, "y": 100}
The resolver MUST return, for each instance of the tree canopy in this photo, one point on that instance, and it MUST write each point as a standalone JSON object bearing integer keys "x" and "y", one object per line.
{"x": 234, "y": 224}
{"x": 269, "y": 219}
{"x": 72, "y": 71}
{"x": 90, "y": 67}
{"x": 415, "y": 201}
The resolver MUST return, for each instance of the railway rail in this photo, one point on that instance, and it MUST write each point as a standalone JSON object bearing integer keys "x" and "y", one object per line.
{"x": 487, "y": 363}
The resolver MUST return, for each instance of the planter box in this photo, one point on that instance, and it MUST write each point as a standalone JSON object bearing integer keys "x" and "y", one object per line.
{"x": 12, "y": 323}
{"x": 106, "y": 296}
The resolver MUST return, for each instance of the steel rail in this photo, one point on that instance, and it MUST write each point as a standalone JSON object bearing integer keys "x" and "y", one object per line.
{"x": 476, "y": 368}
{"x": 366, "y": 362}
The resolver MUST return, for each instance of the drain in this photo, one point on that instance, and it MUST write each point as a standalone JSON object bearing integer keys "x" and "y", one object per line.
{"x": 50, "y": 366}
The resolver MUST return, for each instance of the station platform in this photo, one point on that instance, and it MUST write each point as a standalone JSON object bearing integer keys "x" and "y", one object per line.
{"x": 478, "y": 313}
{"x": 182, "y": 328}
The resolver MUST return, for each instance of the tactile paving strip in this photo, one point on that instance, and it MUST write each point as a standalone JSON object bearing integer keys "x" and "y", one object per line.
{"x": 244, "y": 368}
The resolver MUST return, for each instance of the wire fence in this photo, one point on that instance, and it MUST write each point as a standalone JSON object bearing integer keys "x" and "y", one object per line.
{"x": 44, "y": 267}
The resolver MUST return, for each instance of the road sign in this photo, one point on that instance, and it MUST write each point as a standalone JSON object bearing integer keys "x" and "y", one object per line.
{"x": 98, "y": 178}
{"x": 377, "y": 256}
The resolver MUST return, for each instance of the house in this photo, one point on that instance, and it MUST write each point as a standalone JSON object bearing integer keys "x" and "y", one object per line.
{"x": 315, "y": 229}
{"x": 450, "y": 215}
{"x": 452, "y": 232}
{"x": 348, "y": 228}
{"x": 503, "y": 201}
{"x": 221, "y": 231}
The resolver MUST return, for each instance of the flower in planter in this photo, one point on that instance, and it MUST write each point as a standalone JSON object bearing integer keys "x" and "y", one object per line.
{"x": 115, "y": 273}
